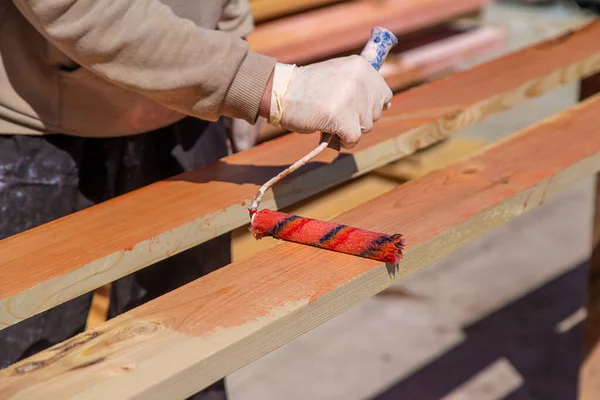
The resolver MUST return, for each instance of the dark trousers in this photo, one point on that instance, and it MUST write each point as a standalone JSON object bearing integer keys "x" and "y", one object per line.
{"x": 43, "y": 178}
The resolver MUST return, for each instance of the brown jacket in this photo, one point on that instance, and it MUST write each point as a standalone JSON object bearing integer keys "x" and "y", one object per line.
{"x": 120, "y": 67}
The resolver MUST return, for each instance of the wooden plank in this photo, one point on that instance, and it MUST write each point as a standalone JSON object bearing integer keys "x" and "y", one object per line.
{"x": 180, "y": 343}
{"x": 589, "y": 380}
{"x": 423, "y": 162}
{"x": 99, "y": 308}
{"x": 419, "y": 64}
{"x": 317, "y": 34}
{"x": 78, "y": 253}
{"x": 263, "y": 10}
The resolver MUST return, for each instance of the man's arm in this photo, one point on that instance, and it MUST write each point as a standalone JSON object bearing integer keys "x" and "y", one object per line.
{"x": 143, "y": 46}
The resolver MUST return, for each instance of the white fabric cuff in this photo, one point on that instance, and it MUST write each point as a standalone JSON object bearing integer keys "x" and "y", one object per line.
{"x": 282, "y": 75}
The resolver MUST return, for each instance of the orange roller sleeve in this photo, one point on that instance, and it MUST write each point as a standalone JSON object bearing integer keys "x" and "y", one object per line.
{"x": 327, "y": 235}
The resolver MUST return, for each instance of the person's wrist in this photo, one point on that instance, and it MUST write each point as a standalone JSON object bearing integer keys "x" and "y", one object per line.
{"x": 264, "y": 109}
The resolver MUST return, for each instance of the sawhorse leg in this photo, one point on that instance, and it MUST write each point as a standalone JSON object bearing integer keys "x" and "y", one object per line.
{"x": 589, "y": 373}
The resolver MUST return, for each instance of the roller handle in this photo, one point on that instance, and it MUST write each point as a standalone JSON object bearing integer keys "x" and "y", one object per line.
{"x": 375, "y": 51}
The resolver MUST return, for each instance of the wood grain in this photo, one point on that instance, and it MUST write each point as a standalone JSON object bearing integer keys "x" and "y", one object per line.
{"x": 85, "y": 250}
{"x": 317, "y": 34}
{"x": 268, "y": 9}
{"x": 180, "y": 343}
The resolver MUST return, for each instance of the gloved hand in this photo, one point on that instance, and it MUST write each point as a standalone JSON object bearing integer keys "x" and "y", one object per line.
{"x": 341, "y": 96}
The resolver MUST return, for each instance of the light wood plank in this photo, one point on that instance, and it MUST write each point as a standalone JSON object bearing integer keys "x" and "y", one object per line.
{"x": 99, "y": 308}
{"x": 436, "y": 157}
{"x": 83, "y": 251}
{"x": 318, "y": 34}
{"x": 180, "y": 343}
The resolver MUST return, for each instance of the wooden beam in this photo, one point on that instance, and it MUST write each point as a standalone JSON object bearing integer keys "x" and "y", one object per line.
{"x": 180, "y": 343}
{"x": 99, "y": 309}
{"x": 263, "y": 10}
{"x": 317, "y": 34}
{"x": 73, "y": 255}
{"x": 589, "y": 380}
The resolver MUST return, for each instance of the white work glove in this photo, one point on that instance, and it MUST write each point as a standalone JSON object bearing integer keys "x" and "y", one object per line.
{"x": 342, "y": 96}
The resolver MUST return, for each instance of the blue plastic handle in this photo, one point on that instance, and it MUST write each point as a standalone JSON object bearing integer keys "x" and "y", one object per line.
{"x": 378, "y": 47}
{"x": 375, "y": 51}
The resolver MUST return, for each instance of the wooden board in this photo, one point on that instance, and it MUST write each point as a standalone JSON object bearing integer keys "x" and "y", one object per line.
{"x": 317, "y": 34}
{"x": 180, "y": 343}
{"x": 81, "y": 252}
{"x": 267, "y": 9}
{"x": 419, "y": 64}
{"x": 423, "y": 162}
{"x": 99, "y": 308}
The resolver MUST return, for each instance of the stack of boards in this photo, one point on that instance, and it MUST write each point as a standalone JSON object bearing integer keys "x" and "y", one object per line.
{"x": 435, "y": 37}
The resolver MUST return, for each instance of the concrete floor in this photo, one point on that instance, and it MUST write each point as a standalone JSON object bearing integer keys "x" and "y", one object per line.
{"x": 498, "y": 319}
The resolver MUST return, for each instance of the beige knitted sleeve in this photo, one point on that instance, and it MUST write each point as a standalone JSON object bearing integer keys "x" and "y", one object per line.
{"x": 143, "y": 46}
